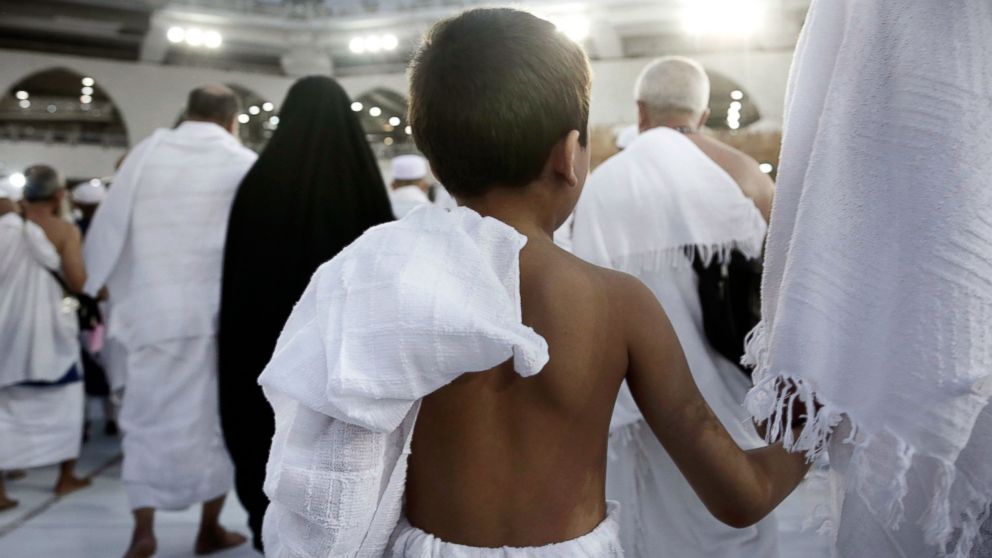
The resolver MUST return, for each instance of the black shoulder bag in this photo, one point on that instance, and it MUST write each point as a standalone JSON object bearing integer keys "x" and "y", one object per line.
{"x": 730, "y": 297}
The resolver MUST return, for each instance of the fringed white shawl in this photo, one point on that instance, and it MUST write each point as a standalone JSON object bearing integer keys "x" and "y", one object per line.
{"x": 649, "y": 211}
{"x": 878, "y": 287}
{"x": 403, "y": 311}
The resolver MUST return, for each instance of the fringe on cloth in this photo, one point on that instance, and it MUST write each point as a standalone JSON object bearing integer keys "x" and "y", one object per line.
{"x": 780, "y": 397}
{"x": 678, "y": 257}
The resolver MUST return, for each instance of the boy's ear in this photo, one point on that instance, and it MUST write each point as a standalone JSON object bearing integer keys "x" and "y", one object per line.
{"x": 565, "y": 155}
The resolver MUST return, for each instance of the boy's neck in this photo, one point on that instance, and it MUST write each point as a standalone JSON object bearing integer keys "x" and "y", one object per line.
{"x": 528, "y": 209}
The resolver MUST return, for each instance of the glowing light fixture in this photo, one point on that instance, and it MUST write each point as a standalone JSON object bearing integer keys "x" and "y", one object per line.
{"x": 575, "y": 27}
{"x": 388, "y": 141}
{"x": 88, "y": 82}
{"x": 737, "y": 94}
{"x": 357, "y": 106}
{"x": 243, "y": 118}
{"x": 375, "y": 111}
{"x": 409, "y": 130}
{"x": 52, "y": 108}
{"x": 85, "y": 99}
{"x": 212, "y": 39}
{"x": 274, "y": 120}
{"x": 390, "y": 42}
{"x": 723, "y": 18}
{"x": 267, "y": 106}
{"x": 766, "y": 168}
{"x": 24, "y": 103}
{"x": 17, "y": 180}
{"x": 373, "y": 43}
{"x": 176, "y": 34}
{"x": 21, "y": 95}
{"x": 394, "y": 121}
{"x": 87, "y": 91}
{"x": 253, "y": 110}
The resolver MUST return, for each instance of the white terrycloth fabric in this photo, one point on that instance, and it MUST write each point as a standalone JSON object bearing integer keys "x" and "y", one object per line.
{"x": 400, "y": 313}
{"x": 407, "y": 198}
{"x": 38, "y": 333}
{"x": 601, "y": 542}
{"x": 157, "y": 241}
{"x": 174, "y": 452}
{"x": 648, "y": 211}
{"x": 878, "y": 285}
{"x": 41, "y": 425}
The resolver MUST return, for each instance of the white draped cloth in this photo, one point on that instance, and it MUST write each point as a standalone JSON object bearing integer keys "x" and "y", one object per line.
{"x": 38, "y": 332}
{"x": 877, "y": 298}
{"x": 157, "y": 243}
{"x": 649, "y": 211}
{"x": 407, "y": 198}
{"x": 39, "y": 424}
{"x": 403, "y": 311}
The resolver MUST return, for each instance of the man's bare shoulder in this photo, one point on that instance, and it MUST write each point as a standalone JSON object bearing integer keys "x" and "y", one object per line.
{"x": 742, "y": 168}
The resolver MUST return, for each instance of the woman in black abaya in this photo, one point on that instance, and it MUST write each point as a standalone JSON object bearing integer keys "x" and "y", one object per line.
{"x": 314, "y": 189}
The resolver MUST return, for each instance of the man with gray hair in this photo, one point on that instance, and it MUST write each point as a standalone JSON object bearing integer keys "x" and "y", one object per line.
{"x": 157, "y": 244}
{"x": 673, "y": 198}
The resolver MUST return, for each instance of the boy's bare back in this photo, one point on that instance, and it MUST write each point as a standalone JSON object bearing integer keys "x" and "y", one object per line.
{"x": 499, "y": 459}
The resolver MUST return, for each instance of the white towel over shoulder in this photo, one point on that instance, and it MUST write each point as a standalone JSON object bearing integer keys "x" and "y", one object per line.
{"x": 878, "y": 287}
{"x": 403, "y": 311}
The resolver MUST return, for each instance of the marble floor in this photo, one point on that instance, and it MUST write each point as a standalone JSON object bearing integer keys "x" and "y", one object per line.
{"x": 96, "y": 522}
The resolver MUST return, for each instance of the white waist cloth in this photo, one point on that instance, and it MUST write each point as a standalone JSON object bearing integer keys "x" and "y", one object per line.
{"x": 174, "y": 455}
{"x": 601, "y": 542}
{"x": 41, "y": 425}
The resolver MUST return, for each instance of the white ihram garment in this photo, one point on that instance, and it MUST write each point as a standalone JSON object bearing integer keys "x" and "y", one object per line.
{"x": 407, "y": 198}
{"x": 39, "y": 425}
{"x": 878, "y": 281}
{"x": 647, "y": 211}
{"x": 403, "y": 311}
{"x": 157, "y": 242}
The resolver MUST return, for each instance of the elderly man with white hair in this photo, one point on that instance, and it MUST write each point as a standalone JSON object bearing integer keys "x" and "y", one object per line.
{"x": 674, "y": 197}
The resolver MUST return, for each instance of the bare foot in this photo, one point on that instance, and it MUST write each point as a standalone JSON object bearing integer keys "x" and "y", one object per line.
{"x": 16, "y": 474}
{"x": 142, "y": 547}
{"x": 7, "y": 503}
{"x": 67, "y": 485}
{"x": 217, "y": 539}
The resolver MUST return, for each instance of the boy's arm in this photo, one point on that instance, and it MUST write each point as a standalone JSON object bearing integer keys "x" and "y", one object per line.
{"x": 738, "y": 487}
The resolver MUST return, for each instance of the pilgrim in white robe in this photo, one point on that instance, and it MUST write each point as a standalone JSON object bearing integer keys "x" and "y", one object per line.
{"x": 407, "y": 198}
{"x": 41, "y": 402}
{"x": 877, "y": 294}
{"x": 648, "y": 211}
{"x": 400, "y": 313}
{"x": 157, "y": 243}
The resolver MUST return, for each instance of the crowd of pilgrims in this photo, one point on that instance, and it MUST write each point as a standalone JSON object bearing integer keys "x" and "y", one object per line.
{"x": 169, "y": 288}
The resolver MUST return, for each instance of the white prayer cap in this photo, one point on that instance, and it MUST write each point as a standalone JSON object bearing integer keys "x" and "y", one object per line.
{"x": 627, "y": 136}
{"x": 8, "y": 190}
{"x": 89, "y": 193}
{"x": 409, "y": 167}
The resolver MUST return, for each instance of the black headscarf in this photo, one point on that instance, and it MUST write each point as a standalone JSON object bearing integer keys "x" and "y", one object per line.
{"x": 314, "y": 189}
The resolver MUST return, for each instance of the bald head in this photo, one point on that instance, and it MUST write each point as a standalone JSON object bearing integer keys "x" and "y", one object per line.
{"x": 673, "y": 88}
{"x": 213, "y": 103}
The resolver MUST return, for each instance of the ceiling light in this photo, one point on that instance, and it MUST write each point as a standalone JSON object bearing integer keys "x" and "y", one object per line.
{"x": 736, "y": 105}
{"x": 243, "y": 118}
{"x": 24, "y": 103}
{"x": 212, "y": 39}
{"x": 21, "y": 95}
{"x": 273, "y": 120}
{"x": 723, "y": 18}
{"x": 357, "y": 106}
{"x": 88, "y": 82}
{"x": 85, "y": 99}
{"x": 194, "y": 37}
{"x": 575, "y": 27}
{"x": 52, "y": 108}
{"x": 253, "y": 110}
{"x": 394, "y": 121}
{"x": 267, "y": 106}
{"x": 766, "y": 168}
{"x": 375, "y": 111}
{"x": 17, "y": 180}
{"x": 388, "y": 141}
{"x": 390, "y": 42}
{"x": 357, "y": 45}
{"x": 737, "y": 94}
{"x": 96, "y": 182}
{"x": 87, "y": 91}
{"x": 175, "y": 34}
{"x": 373, "y": 43}
{"x": 733, "y": 125}
{"x": 409, "y": 130}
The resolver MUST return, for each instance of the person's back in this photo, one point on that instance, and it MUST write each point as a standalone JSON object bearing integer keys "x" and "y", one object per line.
{"x": 467, "y": 483}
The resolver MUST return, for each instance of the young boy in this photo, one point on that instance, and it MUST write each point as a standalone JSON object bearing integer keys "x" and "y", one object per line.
{"x": 506, "y": 455}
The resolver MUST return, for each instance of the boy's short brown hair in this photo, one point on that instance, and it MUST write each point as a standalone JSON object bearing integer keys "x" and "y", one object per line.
{"x": 491, "y": 92}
